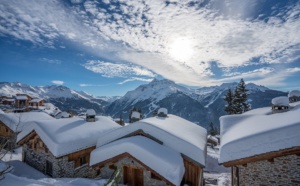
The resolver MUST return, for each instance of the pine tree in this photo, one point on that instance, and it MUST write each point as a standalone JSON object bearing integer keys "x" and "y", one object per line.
{"x": 243, "y": 96}
{"x": 212, "y": 130}
{"x": 229, "y": 99}
{"x": 240, "y": 103}
{"x": 237, "y": 106}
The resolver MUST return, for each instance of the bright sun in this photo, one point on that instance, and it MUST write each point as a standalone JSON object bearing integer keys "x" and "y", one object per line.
{"x": 181, "y": 49}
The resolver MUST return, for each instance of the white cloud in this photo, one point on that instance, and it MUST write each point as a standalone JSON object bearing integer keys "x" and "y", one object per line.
{"x": 135, "y": 79}
{"x": 107, "y": 69}
{"x": 91, "y": 85}
{"x": 144, "y": 33}
{"x": 51, "y": 61}
{"x": 57, "y": 82}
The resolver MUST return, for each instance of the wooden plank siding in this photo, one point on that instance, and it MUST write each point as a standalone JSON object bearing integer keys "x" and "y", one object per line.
{"x": 79, "y": 155}
{"x": 193, "y": 173}
{"x": 5, "y": 131}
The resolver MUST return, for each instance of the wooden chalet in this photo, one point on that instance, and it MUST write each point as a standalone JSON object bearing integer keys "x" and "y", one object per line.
{"x": 294, "y": 96}
{"x": 8, "y": 101}
{"x": 64, "y": 150}
{"x": 11, "y": 124}
{"x": 183, "y": 140}
{"x": 36, "y": 102}
{"x": 22, "y": 100}
{"x": 269, "y": 153}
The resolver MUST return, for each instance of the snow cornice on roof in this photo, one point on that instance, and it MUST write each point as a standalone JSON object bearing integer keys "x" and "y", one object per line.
{"x": 257, "y": 132}
{"x": 65, "y": 136}
{"x": 177, "y": 133}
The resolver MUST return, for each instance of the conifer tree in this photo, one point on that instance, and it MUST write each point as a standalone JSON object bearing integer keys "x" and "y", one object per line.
{"x": 240, "y": 103}
{"x": 229, "y": 99}
{"x": 212, "y": 129}
{"x": 243, "y": 96}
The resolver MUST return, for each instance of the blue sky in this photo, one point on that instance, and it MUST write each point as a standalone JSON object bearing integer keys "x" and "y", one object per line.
{"x": 109, "y": 47}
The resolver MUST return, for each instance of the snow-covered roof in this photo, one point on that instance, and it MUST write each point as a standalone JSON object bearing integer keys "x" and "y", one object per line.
{"x": 90, "y": 112}
{"x": 21, "y": 97}
{"x": 1, "y": 111}
{"x": 294, "y": 93}
{"x": 9, "y": 100}
{"x": 258, "y": 131}
{"x": 64, "y": 136}
{"x": 136, "y": 114}
{"x": 212, "y": 138}
{"x": 17, "y": 121}
{"x": 281, "y": 101}
{"x": 36, "y": 100}
{"x": 175, "y": 132}
{"x": 163, "y": 160}
{"x": 163, "y": 110}
{"x": 63, "y": 114}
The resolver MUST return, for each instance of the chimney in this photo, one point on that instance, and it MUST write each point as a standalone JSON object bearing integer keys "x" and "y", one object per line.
{"x": 90, "y": 115}
{"x": 162, "y": 112}
{"x": 280, "y": 104}
{"x": 294, "y": 96}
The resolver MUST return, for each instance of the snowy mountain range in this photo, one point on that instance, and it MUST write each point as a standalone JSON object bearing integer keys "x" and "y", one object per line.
{"x": 63, "y": 97}
{"x": 202, "y": 106}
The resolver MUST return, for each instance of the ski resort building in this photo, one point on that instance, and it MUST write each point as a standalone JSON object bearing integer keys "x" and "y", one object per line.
{"x": 262, "y": 147}
{"x": 294, "y": 96}
{"x": 22, "y": 100}
{"x": 62, "y": 147}
{"x": 11, "y": 124}
{"x": 36, "y": 102}
{"x": 154, "y": 151}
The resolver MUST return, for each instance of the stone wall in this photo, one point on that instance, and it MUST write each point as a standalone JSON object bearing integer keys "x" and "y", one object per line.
{"x": 283, "y": 171}
{"x": 106, "y": 172}
{"x": 61, "y": 167}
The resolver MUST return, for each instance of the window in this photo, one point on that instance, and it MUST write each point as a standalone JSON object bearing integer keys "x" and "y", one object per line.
{"x": 82, "y": 160}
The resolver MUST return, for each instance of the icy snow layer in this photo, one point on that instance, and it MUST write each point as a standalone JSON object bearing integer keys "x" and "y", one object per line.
{"x": 64, "y": 136}
{"x": 294, "y": 93}
{"x": 177, "y": 133}
{"x": 17, "y": 121}
{"x": 165, "y": 161}
{"x": 258, "y": 131}
{"x": 281, "y": 101}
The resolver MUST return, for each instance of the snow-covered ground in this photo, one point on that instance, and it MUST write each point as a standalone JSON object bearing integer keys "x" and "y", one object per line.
{"x": 215, "y": 174}
{"x": 23, "y": 174}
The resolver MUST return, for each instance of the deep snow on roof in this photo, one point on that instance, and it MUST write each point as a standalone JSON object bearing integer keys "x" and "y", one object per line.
{"x": 281, "y": 101}
{"x": 175, "y": 132}
{"x": 64, "y": 136}
{"x": 17, "y": 121}
{"x": 165, "y": 161}
{"x": 136, "y": 115}
{"x": 294, "y": 93}
{"x": 21, "y": 98}
{"x": 258, "y": 131}
{"x": 90, "y": 112}
{"x": 36, "y": 100}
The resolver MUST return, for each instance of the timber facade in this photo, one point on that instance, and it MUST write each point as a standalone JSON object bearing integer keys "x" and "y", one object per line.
{"x": 37, "y": 155}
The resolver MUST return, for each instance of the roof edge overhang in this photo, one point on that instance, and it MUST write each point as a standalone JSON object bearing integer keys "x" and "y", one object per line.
{"x": 264, "y": 156}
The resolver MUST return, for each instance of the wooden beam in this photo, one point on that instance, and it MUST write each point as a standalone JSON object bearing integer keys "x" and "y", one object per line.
{"x": 265, "y": 156}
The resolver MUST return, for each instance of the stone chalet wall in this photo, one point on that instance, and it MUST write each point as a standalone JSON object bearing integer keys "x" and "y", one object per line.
{"x": 283, "y": 171}
{"x": 61, "y": 167}
{"x": 106, "y": 172}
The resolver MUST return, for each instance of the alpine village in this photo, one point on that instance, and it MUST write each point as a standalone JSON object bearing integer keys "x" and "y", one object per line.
{"x": 249, "y": 146}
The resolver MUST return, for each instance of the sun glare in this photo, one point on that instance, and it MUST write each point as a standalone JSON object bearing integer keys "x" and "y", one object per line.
{"x": 181, "y": 49}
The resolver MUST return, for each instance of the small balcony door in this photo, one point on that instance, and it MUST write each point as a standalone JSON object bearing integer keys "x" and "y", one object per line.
{"x": 133, "y": 176}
